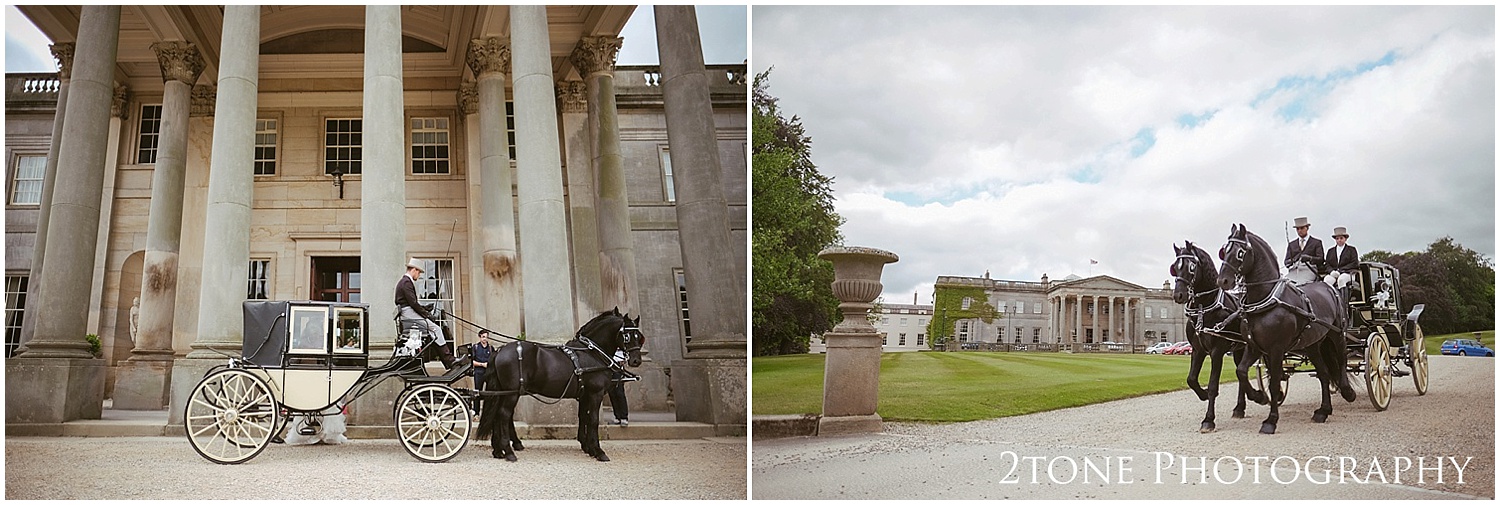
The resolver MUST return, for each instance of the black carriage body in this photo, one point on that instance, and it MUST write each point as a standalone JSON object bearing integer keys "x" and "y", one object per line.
{"x": 1375, "y": 301}
{"x": 306, "y": 334}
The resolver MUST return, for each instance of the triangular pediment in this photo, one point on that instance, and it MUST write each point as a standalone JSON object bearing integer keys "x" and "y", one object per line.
{"x": 1099, "y": 282}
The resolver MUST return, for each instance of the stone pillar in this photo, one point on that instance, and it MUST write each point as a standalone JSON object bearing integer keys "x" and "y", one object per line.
{"x": 594, "y": 57}
{"x": 142, "y": 382}
{"x": 1077, "y": 334}
{"x": 709, "y": 384}
{"x": 226, "y": 237}
{"x": 545, "y": 273}
{"x": 1112, "y": 315}
{"x": 572, "y": 101}
{"x": 63, "y": 52}
{"x": 382, "y": 237}
{"x": 851, "y": 376}
{"x": 58, "y": 379}
{"x": 489, "y": 58}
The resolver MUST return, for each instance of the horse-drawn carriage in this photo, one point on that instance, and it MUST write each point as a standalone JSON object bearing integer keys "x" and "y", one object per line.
{"x": 1282, "y": 327}
{"x": 1380, "y": 339}
{"x": 304, "y": 357}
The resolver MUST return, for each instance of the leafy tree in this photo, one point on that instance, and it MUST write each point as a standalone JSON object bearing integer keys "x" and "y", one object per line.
{"x": 1456, "y": 284}
{"x": 793, "y": 220}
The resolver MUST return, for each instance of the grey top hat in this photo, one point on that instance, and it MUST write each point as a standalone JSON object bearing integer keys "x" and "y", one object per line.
{"x": 1340, "y": 232}
{"x": 1300, "y": 222}
{"x": 415, "y": 264}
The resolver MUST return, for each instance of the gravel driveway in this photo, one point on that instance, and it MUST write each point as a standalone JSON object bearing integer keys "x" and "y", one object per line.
{"x": 1142, "y": 445}
{"x": 166, "y": 468}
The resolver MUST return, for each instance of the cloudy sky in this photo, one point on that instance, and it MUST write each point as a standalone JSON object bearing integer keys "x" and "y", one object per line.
{"x": 1032, "y": 140}
{"x": 722, "y": 27}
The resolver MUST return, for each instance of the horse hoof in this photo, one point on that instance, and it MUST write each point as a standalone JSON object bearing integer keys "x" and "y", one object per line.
{"x": 1267, "y": 429}
{"x": 1347, "y": 393}
{"x": 1320, "y": 418}
{"x": 1206, "y": 428}
{"x": 510, "y": 457}
{"x": 1238, "y": 414}
{"x": 602, "y": 457}
{"x": 517, "y": 446}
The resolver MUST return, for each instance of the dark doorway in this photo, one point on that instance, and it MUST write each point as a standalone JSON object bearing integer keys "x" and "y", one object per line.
{"x": 335, "y": 279}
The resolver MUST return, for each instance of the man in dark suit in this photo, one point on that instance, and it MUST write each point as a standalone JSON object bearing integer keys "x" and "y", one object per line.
{"x": 1304, "y": 248}
{"x": 408, "y": 306}
{"x": 1342, "y": 259}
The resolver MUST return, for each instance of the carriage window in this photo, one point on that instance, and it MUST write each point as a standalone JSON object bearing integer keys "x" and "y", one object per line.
{"x": 435, "y": 287}
{"x": 348, "y": 328}
{"x": 309, "y": 329}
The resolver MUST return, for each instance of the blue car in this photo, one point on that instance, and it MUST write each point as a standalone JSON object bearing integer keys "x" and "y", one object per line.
{"x": 1466, "y": 347}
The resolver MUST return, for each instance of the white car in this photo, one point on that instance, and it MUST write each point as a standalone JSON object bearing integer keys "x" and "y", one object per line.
{"x": 1158, "y": 347}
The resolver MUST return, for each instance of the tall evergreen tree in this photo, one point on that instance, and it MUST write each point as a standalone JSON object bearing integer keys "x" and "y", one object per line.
{"x": 793, "y": 220}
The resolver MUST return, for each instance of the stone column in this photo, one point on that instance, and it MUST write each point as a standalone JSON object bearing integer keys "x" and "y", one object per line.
{"x": 851, "y": 376}
{"x": 545, "y": 273}
{"x": 58, "y": 379}
{"x": 489, "y": 58}
{"x": 572, "y": 101}
{"x": 594, "y": 57}
{"x": 142, "y": 382}
{"x": 226, "y": 237}
{"x": 1077, "y": 333}
{"x": 1112, "y": 315}
{"x": 63, "y": 52}
{"x": 382, "y": 237}
{"x": 709, "y": 383}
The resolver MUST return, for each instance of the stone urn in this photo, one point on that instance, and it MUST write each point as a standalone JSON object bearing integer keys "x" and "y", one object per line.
{"x": 851, "y": 377}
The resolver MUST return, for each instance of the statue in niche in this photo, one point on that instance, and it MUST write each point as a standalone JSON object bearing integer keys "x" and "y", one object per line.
{"x": 135, "y": 317}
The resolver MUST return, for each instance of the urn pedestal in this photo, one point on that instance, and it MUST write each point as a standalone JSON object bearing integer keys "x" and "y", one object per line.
{"x": 851, "y": 377}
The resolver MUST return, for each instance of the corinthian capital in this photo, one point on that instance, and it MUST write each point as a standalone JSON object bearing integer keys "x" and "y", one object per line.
{"x": 572, "y": 96}
{"x": 595, "y": 55}
{"x": 179, "y": 61}
{"x": 468, "y": 98}
{"x": 117, "y": 107}
{"x": 202, "y": 101}
{"x": 489, "y": 54}
{"x": 63, "y": 53}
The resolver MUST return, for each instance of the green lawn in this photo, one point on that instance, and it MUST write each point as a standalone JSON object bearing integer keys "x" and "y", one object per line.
{"x": 1434, "y": 342}
{"x": 966, "y": 386}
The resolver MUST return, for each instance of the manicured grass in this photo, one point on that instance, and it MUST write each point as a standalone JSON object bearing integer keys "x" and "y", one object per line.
{"x": 967, "y": 386}
{"x": 1435, "y": 342}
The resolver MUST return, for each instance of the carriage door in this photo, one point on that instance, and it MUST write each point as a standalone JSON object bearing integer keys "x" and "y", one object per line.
{"x": 335, "y": 279}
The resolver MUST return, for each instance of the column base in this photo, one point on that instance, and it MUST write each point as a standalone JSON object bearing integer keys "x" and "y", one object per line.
{"x": 53, "y": 390}
{"x": 845, "y": 425}
{"x": 143, "y": 385}
{"x": 710, "y": 391}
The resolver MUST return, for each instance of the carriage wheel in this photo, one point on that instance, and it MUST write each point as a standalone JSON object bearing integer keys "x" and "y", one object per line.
{"x": 1378, "y": 371}
{"x": 433, "y": 423}
{"x": 230, "y": 416}
{"x": 1417, "y": 349}
{"x": 1261, "y": 376}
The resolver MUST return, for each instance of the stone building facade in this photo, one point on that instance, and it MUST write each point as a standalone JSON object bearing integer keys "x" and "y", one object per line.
{"x": 217, "y": 154}
{"x": 902, "y": 328}
{"x": 1077, "y": 310}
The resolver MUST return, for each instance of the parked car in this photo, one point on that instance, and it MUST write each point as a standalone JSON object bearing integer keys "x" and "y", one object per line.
{"x": 1158, "y": 347}
{"x": 1466, "y": 347}
{"x": 1183, "y": 347}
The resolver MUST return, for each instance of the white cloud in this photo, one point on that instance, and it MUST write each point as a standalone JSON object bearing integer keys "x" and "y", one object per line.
{"x": 1023, "y": 122}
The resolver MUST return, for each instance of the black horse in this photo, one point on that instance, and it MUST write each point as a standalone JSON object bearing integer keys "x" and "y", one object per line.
{"x": 1210, "y": 328}
{"x": 1281, "y": 317}
{"x": 578, "y": 369}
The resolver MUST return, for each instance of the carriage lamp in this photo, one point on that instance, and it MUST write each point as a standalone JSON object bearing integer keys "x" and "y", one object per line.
{"x": 338, "y": 179}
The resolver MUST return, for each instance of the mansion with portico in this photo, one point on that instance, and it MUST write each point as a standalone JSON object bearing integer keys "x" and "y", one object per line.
{"x": 1072, "y": 310}
{"x": 186, "y": 159}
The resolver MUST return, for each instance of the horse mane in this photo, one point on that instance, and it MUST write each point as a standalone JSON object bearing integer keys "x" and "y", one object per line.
{"x": 597, "y": 322}
{"x": 1261, "y": 267}
{"x": 1205, "y": 261}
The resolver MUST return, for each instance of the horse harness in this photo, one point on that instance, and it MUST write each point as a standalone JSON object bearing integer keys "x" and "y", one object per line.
{"x": 578, "y": 368}
{"x": 1277, "y": 298}
{"x": 1218, "y": 302}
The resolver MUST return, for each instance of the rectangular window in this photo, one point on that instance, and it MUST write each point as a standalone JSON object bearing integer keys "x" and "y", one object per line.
{"x": 901, "y": 341}
{"x": 922, "y": 321}
{"x": 1148, "y": 312}
{"x": 1036, "y": 308}
{"x": 15, "y": 310}
{"x": 150, "y": 135}
{"x": 265, "y": 147}
{"x": 342, "y": 139}
{"x": 921, "y": 339}
{"x": 27, "y": 187}
{"x": 259, "y": 280}
{"x": 1018, "y": 335}
{"x": 1036, "y": 335}
{"x": 682, "y": 303}
{"x": 903, "y": 321}
{"x": 510, "y": 128}
{"x": 669, "y": 192}
{"x": 429, "y": 145}
{"x": 1162, "y": 313}
{"x": 967, "y": 302}
{"x": 885, "y": 339}
{"x": 1020, "y": 307}
{"x": 963, "y": 331}
{"x": 435, "y": 286}
{"x": 1001, "y": 307}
